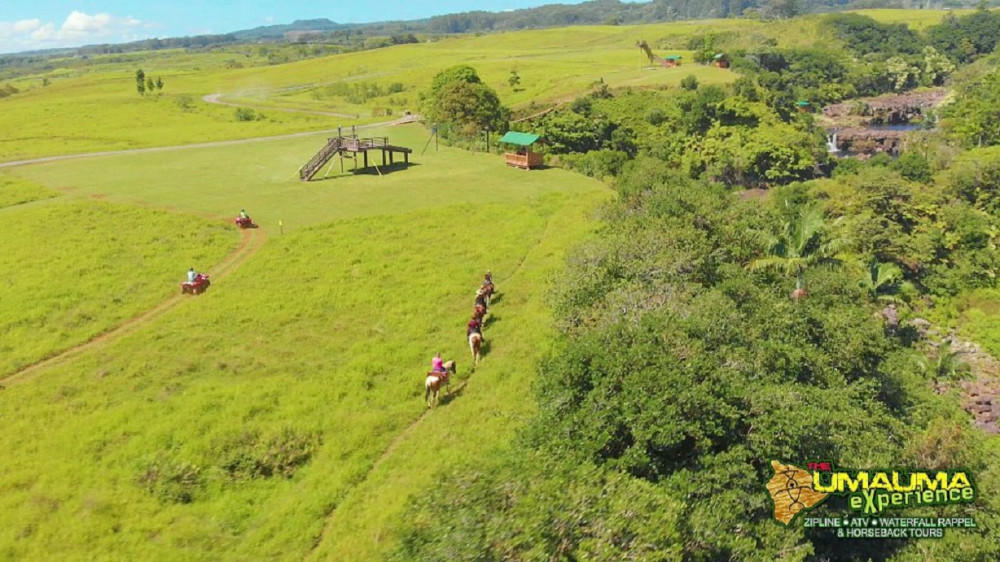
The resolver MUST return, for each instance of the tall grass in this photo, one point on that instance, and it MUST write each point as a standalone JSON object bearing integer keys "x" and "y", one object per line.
{"x": 72, "y": 270}
{"x": 16, "y": 191}
{"x": 321, "y": 340}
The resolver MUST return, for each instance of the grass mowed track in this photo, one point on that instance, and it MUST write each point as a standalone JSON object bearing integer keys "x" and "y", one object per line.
{"x": 72, "y": 270}
{"x": 281, "y": 413}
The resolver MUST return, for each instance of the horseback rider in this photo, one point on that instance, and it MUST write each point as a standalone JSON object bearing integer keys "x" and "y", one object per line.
{"x": 192, "y": 275}
{"x": 474, "y": 327}
{"x": 481, "y": 300}
{"x": 437, "y": 364}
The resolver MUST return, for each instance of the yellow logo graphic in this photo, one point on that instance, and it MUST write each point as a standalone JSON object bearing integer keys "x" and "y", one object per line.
{"x": 792, "y": 490}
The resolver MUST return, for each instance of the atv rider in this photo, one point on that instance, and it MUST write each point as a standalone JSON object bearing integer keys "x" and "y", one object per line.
{"x": 192, "y": 275}
{"x": 243, "y": 214}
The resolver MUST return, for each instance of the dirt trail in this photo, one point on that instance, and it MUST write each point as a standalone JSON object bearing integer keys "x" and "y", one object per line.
{"x": 403, "y": 435}
{"x": 251, "y": 240}
{"x": 217, "y": 99}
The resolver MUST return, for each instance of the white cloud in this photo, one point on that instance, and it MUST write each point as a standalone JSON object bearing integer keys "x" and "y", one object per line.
{"x": 46, "y": 32}
{"x": 26, "y": 26}
{"x": 78, "y": 29}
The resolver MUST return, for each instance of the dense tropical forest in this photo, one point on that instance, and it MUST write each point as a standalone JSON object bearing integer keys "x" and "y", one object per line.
{"x": 751, "y": 297}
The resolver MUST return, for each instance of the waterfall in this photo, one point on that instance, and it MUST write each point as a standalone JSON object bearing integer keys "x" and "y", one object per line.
{"x": 831, "y": 143}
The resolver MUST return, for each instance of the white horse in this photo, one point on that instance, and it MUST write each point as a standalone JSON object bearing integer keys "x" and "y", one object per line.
{"x": 433, "y": 382}
{"x": 475, "y": 342}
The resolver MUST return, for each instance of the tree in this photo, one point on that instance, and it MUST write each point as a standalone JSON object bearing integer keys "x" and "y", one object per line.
{"x": 140, "y": 82}
{"x": 937, "y": 67}
{"x": 785, "y": 9}
{"x": 514, "y": 80}
{"x": 150, "y": 84}
{"x": 459, "y": 98}
{"x": 902, "y": 73}
{"x": 159, "y": 83}
{"x": 799, "y": 246}
{"x": 973, "y": 116}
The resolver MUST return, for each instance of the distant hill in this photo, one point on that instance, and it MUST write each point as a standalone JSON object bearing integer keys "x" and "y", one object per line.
{"x": 595, "y": 12}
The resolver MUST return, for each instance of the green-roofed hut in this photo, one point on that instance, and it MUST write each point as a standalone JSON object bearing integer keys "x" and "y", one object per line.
{"x": 523, "y": 157}
{"x": 803, "y": 106}
{"x": 672, "y": 60}
{"x": 720, "y": 60}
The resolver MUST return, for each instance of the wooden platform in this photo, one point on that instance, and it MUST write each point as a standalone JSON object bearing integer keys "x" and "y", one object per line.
{"x": 353, "y": 145}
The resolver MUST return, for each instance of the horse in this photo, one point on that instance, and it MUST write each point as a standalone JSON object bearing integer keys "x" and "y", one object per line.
{"x": 479, "y": 313}
{"x": 486, "y": 291}
{"x": 433, "y": 382}
{"x": 475, "y": 342}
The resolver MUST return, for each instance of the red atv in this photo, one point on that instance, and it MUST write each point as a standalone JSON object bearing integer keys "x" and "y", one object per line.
{"x": 245, "y": 222}
{"x": 197, "y": 286}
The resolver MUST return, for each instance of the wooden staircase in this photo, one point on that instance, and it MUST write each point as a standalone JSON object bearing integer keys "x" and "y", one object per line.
{"x": 333, "y": 146}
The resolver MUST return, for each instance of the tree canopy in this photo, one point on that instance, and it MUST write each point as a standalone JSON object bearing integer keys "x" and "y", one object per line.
{"x": 463, "y": 105}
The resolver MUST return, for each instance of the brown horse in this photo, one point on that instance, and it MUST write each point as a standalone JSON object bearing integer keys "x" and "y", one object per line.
{"x": 486, "y": 291}
{"x": 433, "y": 382}
{"x": 475, "y": 342}
{"x": 479, "y": 313}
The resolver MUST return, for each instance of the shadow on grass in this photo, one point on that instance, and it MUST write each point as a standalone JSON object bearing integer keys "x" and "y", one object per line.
{"x": 457, "y": 391}
{"x": 488, "y": 321}
{"x": 370, "y": 170}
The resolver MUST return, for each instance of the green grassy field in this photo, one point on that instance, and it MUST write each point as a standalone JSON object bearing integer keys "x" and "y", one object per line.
{"x": 280, "y": 415}
{"x": 914, "y": 19}
{"x": 15, "y": 191}
{"x": 96, "y": 108}
{"x": 155, "y": 444}
{"x": 99, "y": 265}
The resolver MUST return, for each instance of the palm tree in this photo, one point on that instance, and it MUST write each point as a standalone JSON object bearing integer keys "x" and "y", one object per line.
{"x": 880, "y": 280}
{"x": 800, "y": 246}
{"x": 945, "y": 364}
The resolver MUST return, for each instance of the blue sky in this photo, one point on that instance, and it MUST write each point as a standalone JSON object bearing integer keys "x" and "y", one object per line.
{"x": 43, "y": 24}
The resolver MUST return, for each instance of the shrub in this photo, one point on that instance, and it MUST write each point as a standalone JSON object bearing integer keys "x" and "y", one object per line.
{"x": 251, "y": 456}
{"x": 171, "y": 481}
{"x": 245, "y": 114}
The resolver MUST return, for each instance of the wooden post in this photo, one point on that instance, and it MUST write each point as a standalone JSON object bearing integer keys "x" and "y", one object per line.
{"x": 366, "y": 158}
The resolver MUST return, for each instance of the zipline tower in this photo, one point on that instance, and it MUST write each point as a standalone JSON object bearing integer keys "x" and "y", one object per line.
{"x": 349, "y": 146}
